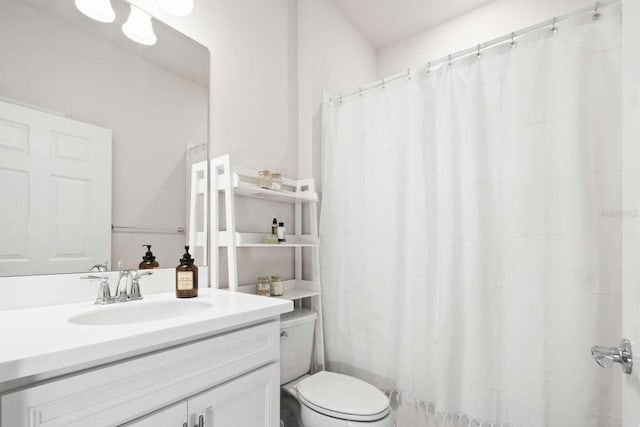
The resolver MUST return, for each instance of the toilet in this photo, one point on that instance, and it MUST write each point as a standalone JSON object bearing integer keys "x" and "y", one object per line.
{"x": 324, "y": 399}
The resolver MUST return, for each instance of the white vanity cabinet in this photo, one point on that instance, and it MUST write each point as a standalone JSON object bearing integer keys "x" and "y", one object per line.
{"x": 247, "y": 401}
{"x": 232, "y": 379}
{"x": 173, "y": 416}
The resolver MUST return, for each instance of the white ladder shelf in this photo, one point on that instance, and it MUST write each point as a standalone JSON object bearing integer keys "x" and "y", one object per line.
{"x": 198, "y": 235}
{"x": 239, "y": 181}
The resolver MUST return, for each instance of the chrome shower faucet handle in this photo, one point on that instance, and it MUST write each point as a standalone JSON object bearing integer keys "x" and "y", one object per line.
{"x": 607, "y": 356}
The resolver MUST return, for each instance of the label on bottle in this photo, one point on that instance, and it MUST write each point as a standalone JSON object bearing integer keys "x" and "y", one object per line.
{"x": 185, "y": 280}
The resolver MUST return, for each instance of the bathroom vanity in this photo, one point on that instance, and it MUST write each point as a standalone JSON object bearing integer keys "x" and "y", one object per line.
{"x": 209, "y": 361}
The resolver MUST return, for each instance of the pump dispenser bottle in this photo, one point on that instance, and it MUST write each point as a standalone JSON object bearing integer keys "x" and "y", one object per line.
{"x": 148, "y": 260}
{"x": 186, "y": 277}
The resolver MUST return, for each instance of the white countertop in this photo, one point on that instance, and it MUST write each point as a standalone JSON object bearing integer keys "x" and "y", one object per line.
{"x": 37, "y": 341}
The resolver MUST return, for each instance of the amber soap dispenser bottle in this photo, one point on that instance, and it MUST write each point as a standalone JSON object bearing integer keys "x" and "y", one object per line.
{"x": 186, "y": 277}
{"x": 148, "y": 260}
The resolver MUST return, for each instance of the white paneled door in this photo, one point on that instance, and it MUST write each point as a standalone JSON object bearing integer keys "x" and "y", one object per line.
{"x": 55, "y": 189}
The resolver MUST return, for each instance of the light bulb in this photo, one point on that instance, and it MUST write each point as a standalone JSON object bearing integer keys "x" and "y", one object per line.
{"x": 139, "y": 28}
{"x": 176, "y": 7}
{"x": 100, "y": 10}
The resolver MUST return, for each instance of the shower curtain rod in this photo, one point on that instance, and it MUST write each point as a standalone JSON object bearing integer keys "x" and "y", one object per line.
{"x": 552, "y": 23}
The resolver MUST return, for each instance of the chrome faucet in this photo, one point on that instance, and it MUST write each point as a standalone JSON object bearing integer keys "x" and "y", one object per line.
{"x": 131, "y": 276}
{"x": 122, "y": 294}
{"x": 607, "y": 356}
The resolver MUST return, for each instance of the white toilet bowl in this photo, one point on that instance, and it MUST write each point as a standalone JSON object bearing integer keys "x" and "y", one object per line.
{"x": 326, "y": 399}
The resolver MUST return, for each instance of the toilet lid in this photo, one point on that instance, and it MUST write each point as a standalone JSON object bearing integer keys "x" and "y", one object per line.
{"x": 344, "y": 397}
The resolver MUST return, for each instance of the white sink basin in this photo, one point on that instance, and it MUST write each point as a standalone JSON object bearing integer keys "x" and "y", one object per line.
{"x": 138, "y": 311}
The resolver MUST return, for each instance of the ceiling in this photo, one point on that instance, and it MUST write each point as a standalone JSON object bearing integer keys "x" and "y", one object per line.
{"x": 384, "y": 22}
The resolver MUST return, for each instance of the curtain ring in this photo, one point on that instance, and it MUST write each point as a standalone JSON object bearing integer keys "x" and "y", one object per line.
{"x": 340, "y": 98}
{"x": 554, "y": 27}
{"x": 478, "y": 53}
{"x": 409, "y": 73}
{"x": 513, "y": 40}
{"x": 449, "y": 60}
{"x": 383, "y": 84}
{"x": 360, "y": 90}
{"x": 428, "y": 68}
{"x": 596, "y": 12}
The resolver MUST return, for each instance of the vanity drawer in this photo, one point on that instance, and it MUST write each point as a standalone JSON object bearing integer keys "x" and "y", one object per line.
{"x": 122, "y": 391}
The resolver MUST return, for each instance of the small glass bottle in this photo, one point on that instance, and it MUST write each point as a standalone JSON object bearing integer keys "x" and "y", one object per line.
{"x": 277, "y": 286}
{"x": 282, "y": 233}
{"x": 263, "y": 287}
{"x": 264, "y": 179}
{"x": 276, "y": 181}
{"x": 186, "y": 277}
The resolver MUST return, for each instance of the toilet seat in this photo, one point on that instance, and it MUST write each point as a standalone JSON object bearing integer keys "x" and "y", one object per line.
{"x": 343, "y": 397}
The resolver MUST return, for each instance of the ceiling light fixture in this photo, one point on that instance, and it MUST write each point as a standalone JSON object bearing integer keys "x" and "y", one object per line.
{"x": 100, "y": 10}
{"x": 139, "y": 28}
{"x": 176, "y": 7}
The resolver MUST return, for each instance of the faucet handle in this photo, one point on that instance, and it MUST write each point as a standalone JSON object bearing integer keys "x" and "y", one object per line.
{"x": 135, "y": 292}
{"x": 101, "y": 267}
{"x": 104, "y": 292}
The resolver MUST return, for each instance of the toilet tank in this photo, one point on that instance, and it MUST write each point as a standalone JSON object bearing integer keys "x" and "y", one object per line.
{"x": 296, "y": 343}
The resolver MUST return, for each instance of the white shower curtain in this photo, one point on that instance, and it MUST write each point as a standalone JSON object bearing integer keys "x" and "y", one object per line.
{"x": 471, "y": 233}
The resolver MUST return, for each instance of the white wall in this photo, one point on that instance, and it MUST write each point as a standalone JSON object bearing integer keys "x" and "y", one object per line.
{"x": 493, "y": 20}
{"x": 340, "y": 59}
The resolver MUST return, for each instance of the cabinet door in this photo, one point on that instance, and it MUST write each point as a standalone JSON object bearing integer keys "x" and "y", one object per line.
{"x": 252, "y": 400}
{"x": 173, "y": 416}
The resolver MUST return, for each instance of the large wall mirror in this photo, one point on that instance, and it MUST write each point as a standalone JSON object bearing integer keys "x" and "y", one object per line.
{"x": 100, "y": 138}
